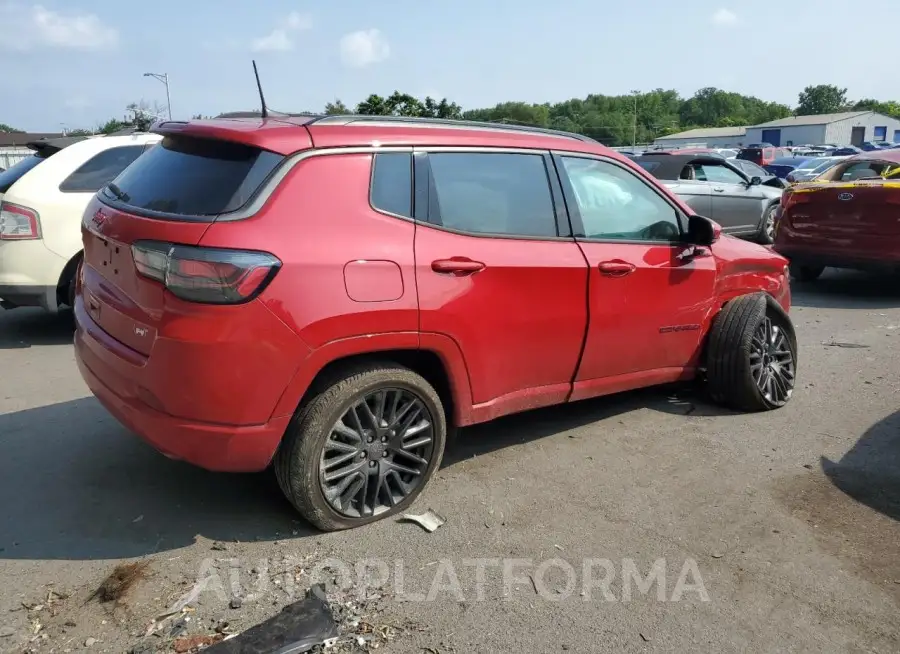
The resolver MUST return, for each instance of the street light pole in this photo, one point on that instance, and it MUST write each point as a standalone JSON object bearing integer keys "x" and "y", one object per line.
{"x": 634, "y": 127}
{"x": 164, "y": 78}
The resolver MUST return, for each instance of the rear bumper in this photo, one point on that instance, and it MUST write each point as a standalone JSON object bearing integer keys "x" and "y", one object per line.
{"x": 29, "y": 296}
{"x": 799, "y": 256}
{"x": 29, "y": 274}
{"x": 115, "y": 382}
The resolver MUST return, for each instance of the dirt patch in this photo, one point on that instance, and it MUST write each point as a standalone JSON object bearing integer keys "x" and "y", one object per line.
{"x": 864, "y": 537}
{"x": 123, "y": 577}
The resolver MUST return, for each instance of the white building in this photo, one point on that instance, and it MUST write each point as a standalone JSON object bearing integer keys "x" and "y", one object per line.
{"x": 849, "y": 128}
{"x": 705, "y": 137}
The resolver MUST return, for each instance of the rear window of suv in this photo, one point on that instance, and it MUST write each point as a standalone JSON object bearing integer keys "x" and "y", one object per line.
{"x": 15, "y": 172}
{"x": 189, "y": 176}
{"x": 750, "y": 154}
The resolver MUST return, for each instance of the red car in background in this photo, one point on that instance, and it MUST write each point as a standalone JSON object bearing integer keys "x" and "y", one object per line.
{"x": 848, "y": 217}
{"x": 330, "y": 295}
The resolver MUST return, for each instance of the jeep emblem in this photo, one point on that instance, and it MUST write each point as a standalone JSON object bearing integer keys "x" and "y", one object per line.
{"x": 845, "y": 196}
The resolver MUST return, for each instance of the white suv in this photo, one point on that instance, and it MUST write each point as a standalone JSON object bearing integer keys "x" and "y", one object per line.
{"x": 42, "y": 200}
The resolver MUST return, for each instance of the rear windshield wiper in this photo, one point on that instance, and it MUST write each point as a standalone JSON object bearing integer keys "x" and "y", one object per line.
{"x": 117, "y": 193}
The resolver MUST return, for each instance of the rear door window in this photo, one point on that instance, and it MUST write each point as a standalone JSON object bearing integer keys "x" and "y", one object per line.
{"x": 101, "y": 169}
{"x": 15, "y": 172}
{"x": 392, "y": 183}
{"x": 491, "y": 193}
{"x": 192, "y": 177}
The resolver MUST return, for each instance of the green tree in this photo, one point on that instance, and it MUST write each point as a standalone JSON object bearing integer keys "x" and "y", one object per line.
{"x": 79, "y": 132}
{"x": 890, "y": 108}
{"x": 821, "y": 99}
{"x": 6, "y": 128}
{"x": 110, "y": 126}
{"x": 337, "y": 108}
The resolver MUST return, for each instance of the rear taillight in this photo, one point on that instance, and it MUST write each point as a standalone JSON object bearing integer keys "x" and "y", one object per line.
{"x": 18, "y": 223}
{"x": 205, "y": 275}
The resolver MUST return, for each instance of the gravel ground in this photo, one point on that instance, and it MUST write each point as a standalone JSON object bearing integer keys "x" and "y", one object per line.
{"x": 770, "y": 532}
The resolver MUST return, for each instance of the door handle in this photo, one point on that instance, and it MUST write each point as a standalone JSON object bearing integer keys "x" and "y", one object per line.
{"x": 457, "y": 266}
{"x": 719, "y": 190}
{"x": 616, "y": 268}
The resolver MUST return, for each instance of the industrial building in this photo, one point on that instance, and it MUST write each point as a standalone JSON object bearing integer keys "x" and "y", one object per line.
{"x": 708, "y": 137}
{"x": 848, "y": 128}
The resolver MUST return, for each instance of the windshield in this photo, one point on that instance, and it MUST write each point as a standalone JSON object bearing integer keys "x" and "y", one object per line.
{"x": 18, "y": 170}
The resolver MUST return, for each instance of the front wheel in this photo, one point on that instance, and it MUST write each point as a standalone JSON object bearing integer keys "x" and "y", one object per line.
{"x": 751, "y": 361}
{"x": 363, "y": 448}
{"x": 767, "y": 230}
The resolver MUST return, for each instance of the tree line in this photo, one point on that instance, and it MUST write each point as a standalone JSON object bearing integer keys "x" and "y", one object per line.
{"x": 613, "y": 120}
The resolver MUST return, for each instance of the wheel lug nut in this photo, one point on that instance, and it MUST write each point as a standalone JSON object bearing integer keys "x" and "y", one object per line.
{"x": 384, "y": 439}
{"x": 362, "y": 455}
{"x": 372, "y": 464}
{"x": 370, "y": 439}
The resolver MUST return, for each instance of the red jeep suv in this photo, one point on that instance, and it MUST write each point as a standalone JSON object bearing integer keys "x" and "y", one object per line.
{"x": 331, "y": 295}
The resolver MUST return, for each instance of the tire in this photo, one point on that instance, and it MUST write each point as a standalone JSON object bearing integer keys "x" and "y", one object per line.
{"x": 299, "y": 462}
{"x": 766, "y": 234}
{"x": 742, "y": 359}
{"x": 806, "y": 273}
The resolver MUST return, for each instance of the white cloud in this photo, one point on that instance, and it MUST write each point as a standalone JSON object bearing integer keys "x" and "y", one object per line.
{"x": 724, "y": 17}
{"x": 280, "y": 39}
{"x": 36, "y": 26}
{"x": 364, "y": 48}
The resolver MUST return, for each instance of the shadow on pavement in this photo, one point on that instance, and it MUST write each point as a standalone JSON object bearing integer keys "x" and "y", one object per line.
{"x": 870, "y": 471}
{"x": 24, "y": 328}
{"x": 77, "y": 486}
{"x": 847, "y": 289}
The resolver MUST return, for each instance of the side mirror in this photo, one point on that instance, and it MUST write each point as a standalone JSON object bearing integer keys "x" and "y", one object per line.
{"x": 755, "y": 181}
{"x": 703, "y": 231}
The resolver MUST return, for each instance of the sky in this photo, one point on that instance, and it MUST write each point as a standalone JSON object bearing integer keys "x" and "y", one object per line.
{"x": 77, "y": 63}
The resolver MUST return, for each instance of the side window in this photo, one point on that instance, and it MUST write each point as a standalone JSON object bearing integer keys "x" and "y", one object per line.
{"x": 392, "y": 183}
{"x": 487, "y": 193}
{"x": 720, "y": 174}
{"x": 616, "y": 204}
{"x": 101, "y": 169}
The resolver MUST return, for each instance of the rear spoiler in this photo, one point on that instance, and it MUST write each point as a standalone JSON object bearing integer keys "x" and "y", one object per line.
{"x": 51, "y": 146}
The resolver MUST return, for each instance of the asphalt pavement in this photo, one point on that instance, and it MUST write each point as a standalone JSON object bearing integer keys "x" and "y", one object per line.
{"x": 650, "y": 521}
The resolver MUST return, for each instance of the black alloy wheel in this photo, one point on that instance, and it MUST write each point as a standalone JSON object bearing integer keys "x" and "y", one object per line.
{"x": 377, "y": 453}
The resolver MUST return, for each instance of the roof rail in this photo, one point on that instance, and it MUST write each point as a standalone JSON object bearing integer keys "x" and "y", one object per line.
{"x": 446, "y": 122}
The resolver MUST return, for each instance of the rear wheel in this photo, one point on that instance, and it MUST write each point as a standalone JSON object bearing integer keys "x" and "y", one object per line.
{"x": 807, "y": 273}
{"x": 751, "y": 363}
{"x": 362, "y": 448}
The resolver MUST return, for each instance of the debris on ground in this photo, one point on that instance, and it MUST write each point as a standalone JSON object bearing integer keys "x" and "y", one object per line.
{"x": 120, "y": 581}
{"x": 194, "y": 643}
{"x": 6, "y": 632}
{"x": 429, "y": 521}
{"x": 90, "y": 642}
{"x": 219, "y": 547}
{"x": 849, "y": 345}
{"x": 235, "y": 603}
{"x": 645, "y": 638}
{"x": 299, "y": 627}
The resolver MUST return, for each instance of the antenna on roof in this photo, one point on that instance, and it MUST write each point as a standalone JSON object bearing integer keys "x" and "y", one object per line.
{"x": 262, "y": 99}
